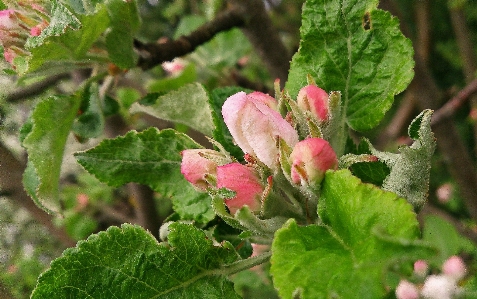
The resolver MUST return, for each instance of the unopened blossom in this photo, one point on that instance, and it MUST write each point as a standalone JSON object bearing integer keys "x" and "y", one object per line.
{"x": 420, "y": 268}
{"x": 310, "y": 159}
{"x": 439, "y": 287}
{"x": 244, "y": 180}
{"x": 196, "y": 167}
{"x": 407, "y": 290}
{"x": 255, "y": 125}
{"x": 454, "y": 267}
{"x": 314, "y": 99}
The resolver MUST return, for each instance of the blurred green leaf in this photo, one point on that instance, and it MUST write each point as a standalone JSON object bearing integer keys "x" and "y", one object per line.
{"x": 90, "y": 123}
{"x": 188, "y": 105}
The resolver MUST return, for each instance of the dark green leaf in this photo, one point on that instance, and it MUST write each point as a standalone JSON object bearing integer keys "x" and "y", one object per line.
{"x": 128, "y": 262}
{"x": 151, "y": 158}
{"x": 90, "y": 123}
{"x": 125, "y": 21}
{"x": 354, "y": 48}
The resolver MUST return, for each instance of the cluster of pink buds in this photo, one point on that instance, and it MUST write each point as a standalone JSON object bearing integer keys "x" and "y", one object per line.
{"x": 258, "y": 128}
{"x": 17, "y": 25}
{"x": 436, "y": 286}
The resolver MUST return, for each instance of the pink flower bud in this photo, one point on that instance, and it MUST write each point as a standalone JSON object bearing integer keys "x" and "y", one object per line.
{"x": 454, "y": 267}
{"x": 244, "y": 181}
{"x": 8, "y": 19}
{"x": 255, "y": 124}
{"x": 195, "y": 167}
{"x": 314, "y": 99}
{"x": 310, "y": 159}
{"x": 420, "y": 268}
{"x": 406, "y": 290}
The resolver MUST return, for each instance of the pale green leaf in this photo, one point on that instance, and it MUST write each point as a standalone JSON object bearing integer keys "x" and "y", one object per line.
{"x": 128, "y": 262}
{"x": 410, "y": 169}
{"x": 357, "y": 49}
{"x": 189, "y": 105}
{"x": 365, "y": 231}
{"x": 51, "y": 123}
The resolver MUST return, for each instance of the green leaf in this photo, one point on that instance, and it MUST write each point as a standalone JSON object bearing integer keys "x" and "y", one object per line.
{"x": 151, "y": 158}
{"x": 365, "y": 231}
{"x": 410, "y": 169}
{"x": 354, "y": 48}
{"x": 445, "y": 237}
{"x": 90, "y": 123}
{"x": 188, "y": 75}
{"x": 125, "y": 21}
{"x": 51, "y": 123}
{"x": 61, "y": 18}
{"x": 128, "y": 262}
{"x": 59, "y": 50}
{"x": 188, "y": 105}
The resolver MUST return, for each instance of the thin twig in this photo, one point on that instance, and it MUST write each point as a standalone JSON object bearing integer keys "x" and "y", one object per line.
{"x": 36, "y": 88}
{"x": 446, "y": 111}
{"x": 154, "y": 54}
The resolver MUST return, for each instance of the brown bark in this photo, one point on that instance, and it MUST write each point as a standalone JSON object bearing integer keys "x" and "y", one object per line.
{"x": 11, "y": 174}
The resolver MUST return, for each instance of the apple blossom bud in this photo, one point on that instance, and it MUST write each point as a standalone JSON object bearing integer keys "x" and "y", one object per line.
{"x": 406, "y": 290}
{"x": 454, "y": 267}
{"x": 314, "y": 99}
{"x": 195, "y": 167}
{"x": 255, "y": 124}
{"x": 310, "y": 159}
{"x": 439, "y": 287}
{"x": 244, "y": 180}
{"x": 420, "y": 268}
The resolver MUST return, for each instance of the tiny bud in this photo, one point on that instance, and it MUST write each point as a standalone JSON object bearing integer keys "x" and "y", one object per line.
{"x": 406, "y": 290}
{"x": 245, "y": 182}
{"x": 444, "y": 193}
{"x": 310, "y": 159}
{"x": 314, "y": 99}
{"x": 195, "y": 167}
{"x": 420, "y": 268}
{"x": 454, "y": 267}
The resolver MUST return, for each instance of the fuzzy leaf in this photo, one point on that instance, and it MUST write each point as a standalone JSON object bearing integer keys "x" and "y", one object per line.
{"x": 410, "y": 169}
{"x": 188, "y": 105}
{"x": 45, "y": 142}
{"x": 365, "y": 231}
{"x": 65, "y": 47}
{"x": 354, "y": 48}
{"x": 128, "y": 262}
{"x": 151, "y": 158}
{"x": 90, "y": 123}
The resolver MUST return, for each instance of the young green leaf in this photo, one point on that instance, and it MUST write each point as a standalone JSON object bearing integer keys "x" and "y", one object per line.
{"x": 128, "y": 262}
{"x": 45, "y": 142}
{"x": 58, "y": 50}
{"x": 410, "y": 169}
{"x": 365, "y": 231}
{"x": 188, "y": 105}
{"x": 151, "y": 158}
{"x": 357, "y": 49}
